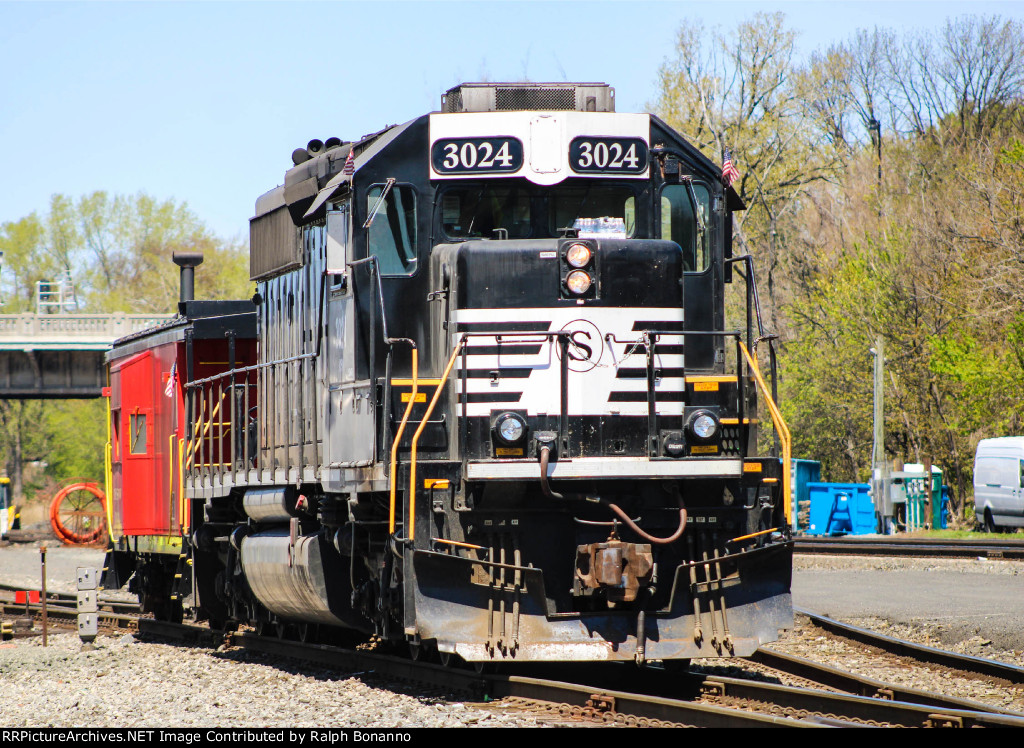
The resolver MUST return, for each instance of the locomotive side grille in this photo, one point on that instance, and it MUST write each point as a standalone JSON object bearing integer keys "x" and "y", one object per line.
{"x": 548, "y": 99}
{"x": 453, "y": 101}
{"x": 274, "y": 244}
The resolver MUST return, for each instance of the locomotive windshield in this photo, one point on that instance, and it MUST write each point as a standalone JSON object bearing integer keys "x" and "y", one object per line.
{"x": 478, "y": 210}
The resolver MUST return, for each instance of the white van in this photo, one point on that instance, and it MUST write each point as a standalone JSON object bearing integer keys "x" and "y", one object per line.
{"x": 999, "y": 482}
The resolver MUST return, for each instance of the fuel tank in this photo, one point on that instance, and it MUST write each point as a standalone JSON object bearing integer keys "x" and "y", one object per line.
{"x": 307, "y": 580}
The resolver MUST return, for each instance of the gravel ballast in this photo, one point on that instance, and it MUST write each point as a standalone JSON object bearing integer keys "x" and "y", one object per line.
{"x": 125, "y": 682}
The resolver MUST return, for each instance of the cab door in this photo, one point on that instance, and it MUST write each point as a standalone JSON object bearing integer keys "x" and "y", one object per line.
{"x": 350, "y": 418}
{"x": 143, "y": 510}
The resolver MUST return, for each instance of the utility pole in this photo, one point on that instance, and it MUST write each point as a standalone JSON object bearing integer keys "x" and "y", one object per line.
{"x": 875, "y": 128}
{"x": 879, "y": 463}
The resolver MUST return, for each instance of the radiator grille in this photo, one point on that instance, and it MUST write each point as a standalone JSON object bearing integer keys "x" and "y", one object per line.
{"x": 273, "y": 244}
{"x": 529, "y": 99}
{"x": 453, "y": 101}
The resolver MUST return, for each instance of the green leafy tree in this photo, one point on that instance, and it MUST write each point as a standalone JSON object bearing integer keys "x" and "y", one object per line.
{"x": 118, "y": 250}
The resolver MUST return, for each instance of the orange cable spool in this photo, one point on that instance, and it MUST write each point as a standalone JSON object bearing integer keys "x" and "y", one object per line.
{"x": 78, "y": 513}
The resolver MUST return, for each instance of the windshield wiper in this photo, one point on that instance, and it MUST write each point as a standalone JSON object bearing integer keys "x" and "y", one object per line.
{"x": 697, "y": 212}
{"x": 380, "y": 201}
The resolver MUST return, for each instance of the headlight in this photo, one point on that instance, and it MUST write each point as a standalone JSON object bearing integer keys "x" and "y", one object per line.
{"x": 578, "y": 255}
{"x": 578, "y": 282}
{"x": 510, "y": 428}
{"x": 704, "y": 426}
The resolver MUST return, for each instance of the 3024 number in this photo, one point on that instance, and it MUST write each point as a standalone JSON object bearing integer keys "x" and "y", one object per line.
{"x": 474, "y": 155}
{"x": 628, "y": 155}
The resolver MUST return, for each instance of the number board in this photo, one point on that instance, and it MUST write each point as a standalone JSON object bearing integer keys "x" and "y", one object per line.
{"x": 476, "y": 155}
{"x": 615, "y": 155}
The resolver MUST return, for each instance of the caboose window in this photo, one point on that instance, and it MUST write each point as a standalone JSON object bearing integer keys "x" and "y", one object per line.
{"x": 392, "y": 235}
{"x": 678, "y": 223}
{"x": 137, "y": 434}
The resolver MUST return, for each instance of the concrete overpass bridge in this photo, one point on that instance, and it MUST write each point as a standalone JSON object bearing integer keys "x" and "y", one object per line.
{"x": 61, "y": 355}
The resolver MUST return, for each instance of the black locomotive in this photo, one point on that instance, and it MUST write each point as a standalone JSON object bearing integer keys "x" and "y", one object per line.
{"x": 486, "y": 402}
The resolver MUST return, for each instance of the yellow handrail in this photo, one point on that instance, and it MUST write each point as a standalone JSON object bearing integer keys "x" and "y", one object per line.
{"x": 170, "y": 484}
{"x": 196, "y": 438}
{"x": 781, "y": 428}
{"x": 411, "y": 530}
{"x": 393, "y": 477}
{"x": 108, "y": 468}
{"x": 108, "y": 484}
{"x": 185, "y": 525}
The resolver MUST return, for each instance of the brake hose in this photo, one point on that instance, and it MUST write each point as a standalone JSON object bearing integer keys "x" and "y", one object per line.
{"x": 545, "y": 453}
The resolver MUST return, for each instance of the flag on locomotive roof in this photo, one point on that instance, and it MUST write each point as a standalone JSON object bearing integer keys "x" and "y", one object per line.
{"x": 350, "y": 168}
{"x": 169, "y": 389}
{"x": 729, "y": 172}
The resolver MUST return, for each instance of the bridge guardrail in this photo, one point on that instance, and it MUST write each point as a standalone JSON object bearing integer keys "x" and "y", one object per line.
{"x": 30, "y": 326}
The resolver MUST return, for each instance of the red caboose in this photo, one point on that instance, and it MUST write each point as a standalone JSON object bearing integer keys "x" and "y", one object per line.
{"x": 148, "y": 455}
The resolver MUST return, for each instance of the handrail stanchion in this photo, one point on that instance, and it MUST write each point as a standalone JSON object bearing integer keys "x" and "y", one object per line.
{"x": 393, "y": 474}
{"x": 780, "y": 428}
{"x": 411, "y": 529}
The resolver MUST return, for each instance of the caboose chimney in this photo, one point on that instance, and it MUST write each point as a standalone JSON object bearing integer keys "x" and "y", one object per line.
{"x": 188, "y": 261}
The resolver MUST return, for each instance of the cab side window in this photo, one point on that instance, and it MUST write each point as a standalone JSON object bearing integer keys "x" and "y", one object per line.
{"x": 391, "y": 236}
{"x": 679, "y": 224}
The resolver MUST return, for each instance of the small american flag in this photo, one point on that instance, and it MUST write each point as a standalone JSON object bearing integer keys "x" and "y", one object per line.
{"x": 729, "y": 173}
{"x": 169, "y": 389}
{"x": 350, "y": 168}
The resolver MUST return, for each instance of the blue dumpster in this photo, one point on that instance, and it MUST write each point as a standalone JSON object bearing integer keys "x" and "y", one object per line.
{"x": 803, "y": 473}
{"x": 841, "y": 509}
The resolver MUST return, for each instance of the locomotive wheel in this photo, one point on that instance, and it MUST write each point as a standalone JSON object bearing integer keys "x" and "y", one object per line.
{"x": 417, "y": 652}
{"x": 447, "y": 658}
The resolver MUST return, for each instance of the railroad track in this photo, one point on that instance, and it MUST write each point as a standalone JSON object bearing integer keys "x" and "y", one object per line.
{"x": 625, "y": 695}
{"x": 62, "y": 612}
{"x": 920, "y": 547}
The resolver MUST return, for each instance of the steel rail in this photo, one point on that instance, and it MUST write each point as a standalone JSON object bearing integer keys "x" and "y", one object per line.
{"x": 919, "y": 547}
{"x": 607, "y": 704}
{"x": 70, "y": 597}
{"x": 860, "y": 685}
{"x": 920, "y": 652}
{"x": 884, "y": 705}
{"x": 115, "y": 620}
{"x": 871, "y": 709}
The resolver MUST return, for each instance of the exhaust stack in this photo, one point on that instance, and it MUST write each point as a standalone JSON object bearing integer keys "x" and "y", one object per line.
{"x": 188, "y": 261}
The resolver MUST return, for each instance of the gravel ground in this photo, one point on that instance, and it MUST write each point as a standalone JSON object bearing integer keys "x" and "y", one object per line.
{"x": 125, "y": 682}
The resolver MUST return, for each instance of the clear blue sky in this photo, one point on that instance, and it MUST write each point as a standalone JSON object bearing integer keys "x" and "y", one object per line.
{"x": 204, "y": 102}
